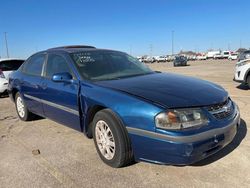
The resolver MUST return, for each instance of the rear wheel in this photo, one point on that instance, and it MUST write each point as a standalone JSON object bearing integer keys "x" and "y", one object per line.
{"x": 111, "y": 139}
{"x": 22, "y": 111}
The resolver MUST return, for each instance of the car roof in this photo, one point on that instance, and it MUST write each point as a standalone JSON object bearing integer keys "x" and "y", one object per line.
{"x": 11, "y": 59}
{"x": 76, "y": 48}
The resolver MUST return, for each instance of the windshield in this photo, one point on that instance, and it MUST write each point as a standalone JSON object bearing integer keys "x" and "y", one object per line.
{"x": 180, "y": 58}
{"x": 107, "y": 65}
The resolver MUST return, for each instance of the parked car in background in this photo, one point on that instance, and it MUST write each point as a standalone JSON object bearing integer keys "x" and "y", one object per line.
{"x": 242, "y": 72}
{"x": 148, "y": 59}
{"x": 211, "y": 54}
{"x": 244, "y": 55}
{"x": 180, "y": 61}
{"x": 170, "y": 58}
{"x": 139, "y": 58}
{"x": 218, "y": 56}
{"x": 201, "y": 57}
{"x": 159, "y": 59}
{"x": 192, "y": 58}
{"x": 7, "y": 66}
{"x": 225, "y": 54}
{"x": 233, "y": 56}
{"x": 131, "y": 111}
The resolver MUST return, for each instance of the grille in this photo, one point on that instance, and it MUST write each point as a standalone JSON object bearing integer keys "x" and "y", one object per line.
{"x": 221, "y": 110}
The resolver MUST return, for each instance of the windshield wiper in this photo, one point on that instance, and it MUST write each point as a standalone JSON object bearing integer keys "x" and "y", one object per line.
{"x": 133, "y": 75}
{"x": 104, "y": 79}
{"x": 120, "y": 77}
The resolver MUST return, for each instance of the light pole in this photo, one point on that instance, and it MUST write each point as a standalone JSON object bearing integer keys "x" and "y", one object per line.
{"x": 172, "y": 42}
{"x": 6, "y": 44}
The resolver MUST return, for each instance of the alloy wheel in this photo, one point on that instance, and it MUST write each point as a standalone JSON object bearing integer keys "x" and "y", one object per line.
{"x": 105, "y": 140}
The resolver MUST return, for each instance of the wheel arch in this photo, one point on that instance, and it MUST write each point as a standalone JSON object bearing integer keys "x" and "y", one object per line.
{"x": 89, "y": 119}
{"x": 247, "y": 74}
{"x": 90, "y": 116}
{"x": 13, "y": 93}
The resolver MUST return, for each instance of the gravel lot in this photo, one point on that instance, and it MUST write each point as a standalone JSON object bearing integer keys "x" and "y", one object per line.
{"x": 69, "y": 159}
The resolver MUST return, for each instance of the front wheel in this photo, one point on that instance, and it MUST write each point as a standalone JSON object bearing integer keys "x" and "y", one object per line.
{"x": 111, "y": 139}
{"x": 248, "y": 81}
{"x": 22, "y": 111}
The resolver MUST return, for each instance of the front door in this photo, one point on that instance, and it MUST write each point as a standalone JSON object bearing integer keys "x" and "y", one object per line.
{"x": 60, "y": 99}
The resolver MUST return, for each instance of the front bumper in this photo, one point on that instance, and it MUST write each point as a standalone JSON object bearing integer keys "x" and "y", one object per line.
{"x": 180, "y": 64}
{"x": 238, "y": 81}
{"x": 181, "y": 150}
{"x": 3, "y": 87}
{"x": 240, "y": 73}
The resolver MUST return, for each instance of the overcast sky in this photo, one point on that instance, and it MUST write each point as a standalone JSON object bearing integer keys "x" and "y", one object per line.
{"x": 128, "y": 25}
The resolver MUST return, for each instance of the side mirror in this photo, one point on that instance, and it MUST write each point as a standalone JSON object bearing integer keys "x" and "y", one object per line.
{"x": 62, "y": 77}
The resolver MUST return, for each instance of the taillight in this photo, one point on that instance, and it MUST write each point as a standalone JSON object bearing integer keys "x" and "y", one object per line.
{"x": 1, "y": 74}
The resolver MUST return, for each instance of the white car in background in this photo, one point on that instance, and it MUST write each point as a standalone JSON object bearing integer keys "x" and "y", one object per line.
{"x": 211, "y": 54}
{"x": 242, "y": 72}
{"x": 148, "y": 59}
{"x": 233, "y": 56}
{"x": 225, "y": 54}
{"x": 139, "y": 58}
{"x": 7, "y": 66}
{"x": 201, "y": 57}
{"x": 160, "y": 58}
{"x": 218, "y": 56}
{"x": 222, "y": 55}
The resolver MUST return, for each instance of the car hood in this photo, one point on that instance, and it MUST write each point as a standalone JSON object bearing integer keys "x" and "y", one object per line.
{"x": 170, "y": 90}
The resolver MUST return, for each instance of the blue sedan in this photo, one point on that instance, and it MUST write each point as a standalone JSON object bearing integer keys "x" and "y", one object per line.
{"x": 132, "y": 112}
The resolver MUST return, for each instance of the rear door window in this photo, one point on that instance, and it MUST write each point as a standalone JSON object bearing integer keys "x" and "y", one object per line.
{"x": 34, "y": 65}
{"x": 10, "y": 65}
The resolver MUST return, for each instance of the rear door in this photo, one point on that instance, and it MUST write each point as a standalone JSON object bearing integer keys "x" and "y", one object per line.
{"x": 30, "y": 82}
{"x": 60, "y": 100}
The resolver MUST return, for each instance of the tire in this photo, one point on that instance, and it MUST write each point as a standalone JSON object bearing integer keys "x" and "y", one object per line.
{"x": 248, "y": 81}
{"x": 21, "y": 109}
{"x": 117, "y": 152}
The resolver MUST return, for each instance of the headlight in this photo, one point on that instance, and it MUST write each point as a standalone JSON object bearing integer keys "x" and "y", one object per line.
{"x": 180, "y": 119}
{"x": 243, "y": 63}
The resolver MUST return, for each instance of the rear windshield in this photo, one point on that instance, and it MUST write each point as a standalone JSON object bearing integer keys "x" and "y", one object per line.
{"x": 10, "y": 65}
